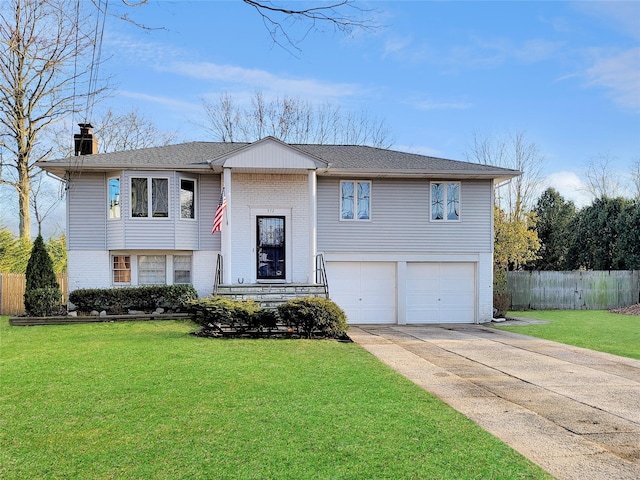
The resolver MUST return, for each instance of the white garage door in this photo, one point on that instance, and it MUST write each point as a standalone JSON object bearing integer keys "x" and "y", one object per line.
{"x": 441, "y": 293}
{"x": 366, "y": 291}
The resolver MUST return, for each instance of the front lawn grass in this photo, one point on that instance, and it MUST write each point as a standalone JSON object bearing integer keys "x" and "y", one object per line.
{"x": 145, "y": 400}
{"x": 594, "y": 329}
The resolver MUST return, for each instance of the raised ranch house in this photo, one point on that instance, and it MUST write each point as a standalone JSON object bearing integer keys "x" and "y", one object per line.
{"x": 405, "y": 238}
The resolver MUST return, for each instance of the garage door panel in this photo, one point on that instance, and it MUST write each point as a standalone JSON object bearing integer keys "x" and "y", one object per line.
{"x": 441, "y": 292}
{"x": 366, "y": 291}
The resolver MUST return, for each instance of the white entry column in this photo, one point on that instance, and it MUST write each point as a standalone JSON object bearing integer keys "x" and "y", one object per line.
{"x": 226, "y": 228}
{"x": 313, "y": 203}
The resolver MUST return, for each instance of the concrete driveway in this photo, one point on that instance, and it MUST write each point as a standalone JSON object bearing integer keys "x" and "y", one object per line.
{"x": 574, "y": 412}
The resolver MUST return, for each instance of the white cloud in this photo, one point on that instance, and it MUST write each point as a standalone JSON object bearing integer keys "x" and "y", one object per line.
{"x": 257, "y": 78}
{"x": 624, "y": 16}
{"x": 418, "y": 149}
{"x": 570, "y": 186}
{"x": 620, "y": 74}
{"x": 166, "y": 101}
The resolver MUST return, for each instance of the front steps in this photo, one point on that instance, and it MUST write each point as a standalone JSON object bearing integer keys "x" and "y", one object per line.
{"x": 270, "y": 295}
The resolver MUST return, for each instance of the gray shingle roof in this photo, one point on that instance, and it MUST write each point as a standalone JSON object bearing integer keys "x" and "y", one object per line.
{"x": 340, "y": 158}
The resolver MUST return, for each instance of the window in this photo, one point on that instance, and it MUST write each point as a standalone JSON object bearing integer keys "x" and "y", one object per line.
{"x": 149, "y": 192}
{"x": 182, "y": 269}
{"x": 187, "y": 199}
{"x": 152, "y": 269}
{"x": 114, "y": 197}
{"x": 355, "y": 200}
{"x": 121, "y": 269}
{"x": 445, "y": 201}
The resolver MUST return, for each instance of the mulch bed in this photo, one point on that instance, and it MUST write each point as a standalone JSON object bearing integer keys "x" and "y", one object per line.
{"x": 632, "y": 310}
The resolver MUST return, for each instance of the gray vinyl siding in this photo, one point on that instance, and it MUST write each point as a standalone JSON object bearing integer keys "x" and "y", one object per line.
{"x": 400, "y": 219}
{"x": 89, "y": 228}
{"x": 209, "y": 196}
{"x": 87, "y": 212}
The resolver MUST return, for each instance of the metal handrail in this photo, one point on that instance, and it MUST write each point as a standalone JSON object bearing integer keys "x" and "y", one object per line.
{"x": 321, "y": 274}
{"x": 218, "y": 276}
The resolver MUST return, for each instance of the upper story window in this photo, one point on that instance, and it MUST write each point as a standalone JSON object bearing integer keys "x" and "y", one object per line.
{"x": 149, "y": 197}
{"x": 355, "y": 200}
{"x": 445, "y": 201}
{"x": 187, "y": 198}
{"x": 114, "y": 197}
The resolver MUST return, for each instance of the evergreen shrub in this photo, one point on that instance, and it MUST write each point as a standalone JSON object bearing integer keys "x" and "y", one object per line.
{"x": 40, "y": 282}
{"x": 311, "y": 316}
{"x": 118, "y": 301}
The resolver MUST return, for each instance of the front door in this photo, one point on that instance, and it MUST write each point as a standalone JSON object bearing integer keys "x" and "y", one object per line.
{"x": 270, "y": 258}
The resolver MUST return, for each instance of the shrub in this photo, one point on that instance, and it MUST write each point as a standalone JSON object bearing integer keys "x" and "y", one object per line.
{"x": 311, "y": 316}
{"x": 116, "y": 301}
{"x": 240, "y": 315}
{"x": 40, "y": 276}
{"x": 43, "y": 301}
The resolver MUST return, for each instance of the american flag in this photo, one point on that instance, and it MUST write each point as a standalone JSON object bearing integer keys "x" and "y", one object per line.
{"x": 217, "y": 220}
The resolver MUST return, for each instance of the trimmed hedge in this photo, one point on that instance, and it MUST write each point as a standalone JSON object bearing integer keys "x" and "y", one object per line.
{"x": 118, "y": 301}
{"x": 306, "y": 317}
{"x": 311, "y": 316}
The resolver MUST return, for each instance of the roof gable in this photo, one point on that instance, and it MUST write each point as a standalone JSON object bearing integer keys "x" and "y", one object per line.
{"x": 269, "y": 154}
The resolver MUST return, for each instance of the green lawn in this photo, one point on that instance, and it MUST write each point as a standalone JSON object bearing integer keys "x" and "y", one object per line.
{"x": 145, "y": 400}
{"x": 594, "y": 329}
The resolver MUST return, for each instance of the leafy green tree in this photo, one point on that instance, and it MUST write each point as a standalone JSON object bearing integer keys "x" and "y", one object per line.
{"x": 627, "y": 249}
{"x": 42, "y": 291}
{"x": 594, "y": 234}
{"x": 57, "y": 248}
{"x": 553, "y": 219}
{"x": 14, "y": 252}
{"x": 516, "y": 240}
{"x": 515, "y": 244}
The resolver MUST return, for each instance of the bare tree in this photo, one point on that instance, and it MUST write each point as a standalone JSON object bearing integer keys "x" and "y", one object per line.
{"x": 292, "y": 120}
{"x": 511, "y": 150}
{"x": 43, "y": 200}
{"x": 279, "y": 19}
{"x": 42, "y": 44}
{"x": 129, "y": 131}
{"x": 602, "y": 180}
{"x": 635, "y": 177}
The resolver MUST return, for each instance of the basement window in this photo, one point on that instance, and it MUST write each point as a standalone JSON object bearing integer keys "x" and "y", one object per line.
{"x": 121, "y": 269}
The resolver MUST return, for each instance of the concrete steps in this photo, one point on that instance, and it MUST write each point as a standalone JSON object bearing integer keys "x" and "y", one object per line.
{"x": 270, "y": 295}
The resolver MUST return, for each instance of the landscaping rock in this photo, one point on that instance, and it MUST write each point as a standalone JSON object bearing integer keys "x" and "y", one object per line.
{"x": 72, "y": 314}
{"x": 103, "y": 313}
{"x": 95, "y": 313}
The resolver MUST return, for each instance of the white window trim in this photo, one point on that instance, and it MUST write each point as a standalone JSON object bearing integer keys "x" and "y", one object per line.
{"x": 112, "y": 270}
{"x": 150, "y": 197}
{"x": 355, "y": 201}
{"x": 446, "y": 183}
{"x": 133, "y": 263}
{"x": 195, "y": 199}
{"x": 119, "y": 202}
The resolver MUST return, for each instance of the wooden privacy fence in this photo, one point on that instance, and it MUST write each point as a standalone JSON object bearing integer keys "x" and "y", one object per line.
{"x": 575, "y": 290}
{"x": 12, "y": 292}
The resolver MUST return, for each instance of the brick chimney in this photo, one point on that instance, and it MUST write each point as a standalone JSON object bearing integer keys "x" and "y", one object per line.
{"x": 85, "y": 142}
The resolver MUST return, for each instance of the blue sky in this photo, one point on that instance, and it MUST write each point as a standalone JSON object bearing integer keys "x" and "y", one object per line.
{"x": 565, "y": 73}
